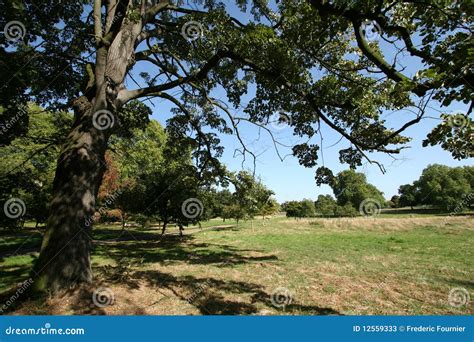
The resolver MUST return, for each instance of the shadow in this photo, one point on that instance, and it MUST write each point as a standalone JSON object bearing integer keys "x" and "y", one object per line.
{"x": 170, "y": 249}
{"x": 20, "y": 242}
{"x": 107, "y": 234}
{"x": 211, "y": 296}
{"x": 83, "y": 303}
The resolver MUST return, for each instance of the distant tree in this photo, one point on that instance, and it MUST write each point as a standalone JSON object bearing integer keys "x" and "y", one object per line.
{"x": 307, "y": 208}
{"x": 325, "y": 205}
{"x": 408, "y": 195}
{"x": 346, "y": 210}
{"x": 224, "y": 204}
{"x": 292, "y": 209}
{"x": 444, "y": 186}
{"x": 270, "y": 207}
{"x": 299, "y": 209}
{"x": 251, "y": 195}
{"x": 352, "y": 187}
{"x": 395, "y": 201}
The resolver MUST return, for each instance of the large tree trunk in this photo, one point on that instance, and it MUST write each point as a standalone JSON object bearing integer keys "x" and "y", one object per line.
{"x": 65, "y": 252}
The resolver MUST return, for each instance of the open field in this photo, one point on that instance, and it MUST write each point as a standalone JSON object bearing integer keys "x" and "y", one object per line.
{"x": 385, "y": 265}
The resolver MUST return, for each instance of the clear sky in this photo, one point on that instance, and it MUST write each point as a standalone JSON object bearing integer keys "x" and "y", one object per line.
{"x": 290, "y": 181}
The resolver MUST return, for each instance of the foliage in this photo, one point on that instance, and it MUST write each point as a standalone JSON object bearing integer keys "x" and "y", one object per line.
{"x": 445, "y": 186}
{"x": 408, "y": 195}
{"x": 298, "y": 209}
{"x": 450, "y": 188}
{"x": 29, "y": 162}
{"x": 325, "y": 205}
{"x": 352, "y": 187}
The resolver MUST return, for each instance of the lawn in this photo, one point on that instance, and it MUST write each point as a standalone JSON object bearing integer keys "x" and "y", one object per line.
{"x": 386, "y": 265}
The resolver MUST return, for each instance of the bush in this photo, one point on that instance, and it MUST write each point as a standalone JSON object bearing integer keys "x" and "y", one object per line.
{"x": 346, "y": 210}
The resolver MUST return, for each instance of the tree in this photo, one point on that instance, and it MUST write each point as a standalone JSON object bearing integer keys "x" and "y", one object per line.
{"x": 446, "y": 187}
{"x": 325, "y": 205}
{"x": 270, "y": 207}
{"x": 395, "y": 201}
{"x": 195, "y": 51}
{"x": 292, "y": 209}
{"x": 408, "y": 195}
{"x": 223, "y": 203}
{"x": 307, "y": 208}
{"x": 250, "y": 195}
{"x": 298, "y": 209}
{"x": 346, "y": 210}
{"x": 352, "y": 187}
{"x": 28, "y": 163}
{"x": 138, "y": 155}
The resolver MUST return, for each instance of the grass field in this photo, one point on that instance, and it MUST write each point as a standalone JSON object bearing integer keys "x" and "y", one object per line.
{"x": 393, "y": 264}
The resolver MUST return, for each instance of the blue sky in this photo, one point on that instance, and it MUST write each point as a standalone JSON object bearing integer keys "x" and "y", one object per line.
{"x": 290, "y": 181}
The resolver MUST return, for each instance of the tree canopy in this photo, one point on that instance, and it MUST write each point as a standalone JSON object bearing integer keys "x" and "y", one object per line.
{"x": 341, "y": 65}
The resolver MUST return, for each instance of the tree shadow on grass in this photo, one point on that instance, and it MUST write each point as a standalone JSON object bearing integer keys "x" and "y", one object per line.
{"x": 174, "y": 249}
{"x": 218, "y": 297}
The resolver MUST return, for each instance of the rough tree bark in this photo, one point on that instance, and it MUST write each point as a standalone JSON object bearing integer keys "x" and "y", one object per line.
{"x": 64, "y": 259}
{"x": 65, "y": 252}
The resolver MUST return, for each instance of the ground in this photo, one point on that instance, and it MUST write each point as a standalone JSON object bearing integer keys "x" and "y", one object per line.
{"x": 394, "y": 264}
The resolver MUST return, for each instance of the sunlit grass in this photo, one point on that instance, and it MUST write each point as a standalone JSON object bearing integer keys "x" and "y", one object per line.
{"x": 383, "y": 265}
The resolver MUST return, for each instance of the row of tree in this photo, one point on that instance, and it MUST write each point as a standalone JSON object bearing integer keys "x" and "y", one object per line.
{"x": 439, "y": 185}
{"x": 147, "y": 179}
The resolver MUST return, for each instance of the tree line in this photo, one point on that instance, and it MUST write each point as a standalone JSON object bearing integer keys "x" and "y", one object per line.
{"x": 147, "y": 179}
{"x": 439, "y": 186}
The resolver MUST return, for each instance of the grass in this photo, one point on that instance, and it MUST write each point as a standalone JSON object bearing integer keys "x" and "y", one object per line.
{"x": 404, "y": 265}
